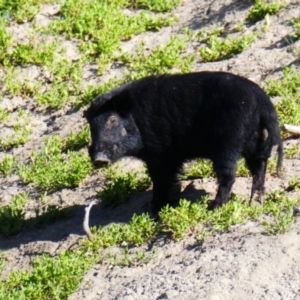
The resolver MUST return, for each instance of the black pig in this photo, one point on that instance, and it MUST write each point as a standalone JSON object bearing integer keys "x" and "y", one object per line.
{"x": 166, "y": 120}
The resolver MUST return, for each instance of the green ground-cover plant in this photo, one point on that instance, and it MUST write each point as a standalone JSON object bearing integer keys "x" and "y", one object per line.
{"x": 263, "y": 8}
{"x": 101, "y": 25}
{"x": 183, "y": 218}
{"x": 21, "y": 130}
{"x": 155, "y": 5}
{"x": 280, "y": 207}
{"x": 75, "y": 141}
{"x": 293, "y": 184}
{"x": 51, "y": 277}
{"x": 40, "y": 53}
{"x": 22, "y": 10}
{"x": 199, "y": 168}
{"x": 12, "y": 216}
{"x": 162, "y": 59}
{"x": 32, "y": 52}
{"x": 204, "y": 35}
{"x": 64, "y": 84}
{"x": 49, "y": 214}
{"x": 120, "y": 184}
{"x": 7, "y": 165}
{"x": 2, "y": 261}
{"x": 140, "y": 229}
{"x": 5, "y": 42}
{"x": 202, "y": 168}
{"x": 92, "y": 91}
{"x": 50, "y": 169}
{"x": 219, "y": 49}
{"x": 14, "y": 86}
{"x": 20, "y": 137}
{"x": 130, "y": 258}
{"x": 287, "y": 87}
{"x": 4, "y": 114}
{"x": 296, "y": 24}
{"x": 292, "y": 151}
{"x": 57, "y": 277}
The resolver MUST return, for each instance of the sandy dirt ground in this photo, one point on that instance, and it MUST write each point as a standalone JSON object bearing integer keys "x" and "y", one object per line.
{"x": 243, "y": 264}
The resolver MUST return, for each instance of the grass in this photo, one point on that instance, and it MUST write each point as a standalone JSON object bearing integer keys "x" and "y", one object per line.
{"x": 64, "y": 84}
{"x": 14, "y": 86}
{"x": 20, "y": 127}
{"x": 162, "y": 59}
{"x": 263, "y": 8}
{"x": 100, "y": 26}
{"x": 130, "y": 258}
{"x": 199, "y": 168}
{"x": 5, "y": 41}
{"x": 119, "y": 185}
{"x": 98, "y": 29}
{"x": 38, "y": 52}
{"x": 56, "y": 277}
{"x": 292, "y": 151}
{"x": 287, "y": 87}
{"x": 34, "y": 52}
{"x": 7, "y": 165}
{"x": 219, "y": 49}
{"x": 280, "y": 207}
{"x": 4, "y": 114}
{"x": 21, "y": 10}
{"x": 12, "y": 216}
{"x": 76, "y": 141}
{"x": 51, "y": 277}
{"x": 51, "y": 170}
{"x": 92, "y": 91}
{"x": 293, "y": 184}
{"x": 202, "y": 168}
{"x": 296, "y": 24}
{"x": 156, "y": 5}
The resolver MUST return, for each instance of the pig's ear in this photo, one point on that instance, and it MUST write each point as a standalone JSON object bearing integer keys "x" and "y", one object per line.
{"x": 122, "y": 101}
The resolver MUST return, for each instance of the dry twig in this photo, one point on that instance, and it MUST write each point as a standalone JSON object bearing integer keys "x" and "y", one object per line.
{"x": 86, "y": 226}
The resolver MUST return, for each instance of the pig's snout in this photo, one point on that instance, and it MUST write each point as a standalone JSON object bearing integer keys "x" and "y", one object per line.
{"x": 101, "y": 160}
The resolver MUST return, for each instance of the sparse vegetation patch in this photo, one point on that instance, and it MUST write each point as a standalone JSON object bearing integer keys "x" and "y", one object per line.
{"x": 12, "y": 216}
{"x": 50, "y": 169}
{"x": 219, "y": 49}
{"x": 119, "y": 185}
{"x": 7, "y": 165}
{"x": 102, "y": 25}
{"x": 287, "y": 87}
{"x": 263, "y": 8}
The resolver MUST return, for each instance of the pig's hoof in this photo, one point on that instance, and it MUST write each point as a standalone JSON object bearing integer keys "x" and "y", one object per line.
{"x": 257, "y": 199}
{"x": 213, "y": 205}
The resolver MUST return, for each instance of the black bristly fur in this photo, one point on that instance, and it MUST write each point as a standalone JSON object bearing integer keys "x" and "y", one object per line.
{"x": 169, "y": 119}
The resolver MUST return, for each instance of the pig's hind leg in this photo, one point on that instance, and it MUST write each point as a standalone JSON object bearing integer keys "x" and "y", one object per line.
{"x": 257, "y": 167}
